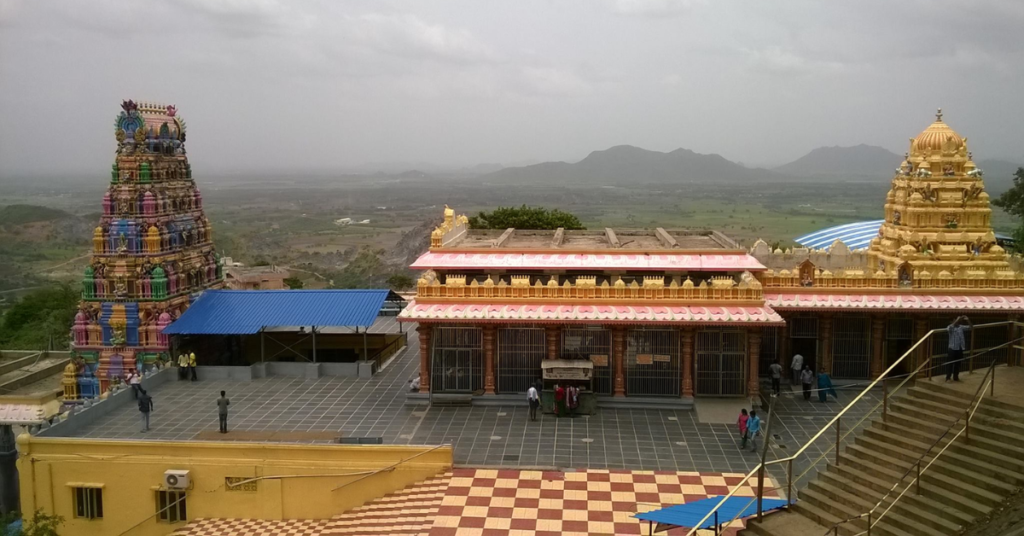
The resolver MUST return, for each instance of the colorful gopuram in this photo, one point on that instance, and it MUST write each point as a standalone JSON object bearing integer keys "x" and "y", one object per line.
{"x": 152, "y": 251}
{"x": 662, "y": 313}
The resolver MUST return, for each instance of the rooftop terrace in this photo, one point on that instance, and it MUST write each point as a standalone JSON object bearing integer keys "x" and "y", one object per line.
{"x": 607, "y": 239}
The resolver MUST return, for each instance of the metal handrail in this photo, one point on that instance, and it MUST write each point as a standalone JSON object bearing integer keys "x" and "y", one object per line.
{"x": 837, "y": 419}
{"x": 969, "y": 414}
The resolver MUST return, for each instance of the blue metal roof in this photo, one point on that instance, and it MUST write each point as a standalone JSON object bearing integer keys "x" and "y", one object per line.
{"x": 244, "y": 312}
{"x": 855, "y": 235}
{"x": 689, "y": 514}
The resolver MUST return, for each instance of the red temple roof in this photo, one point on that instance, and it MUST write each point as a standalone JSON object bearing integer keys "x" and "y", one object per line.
{"x": 604, "y": 314}
{"x": 587, "y": 261}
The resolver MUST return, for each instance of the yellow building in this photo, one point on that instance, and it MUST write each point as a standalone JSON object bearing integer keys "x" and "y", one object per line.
{"x": 143, "y": 488}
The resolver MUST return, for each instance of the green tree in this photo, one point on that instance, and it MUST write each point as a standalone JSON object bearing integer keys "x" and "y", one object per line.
{"x": 38, "y": 317}
{"x": 293, "y": 283}
{"x": 525, "y": 217}
{"x": 400, "y": 282}
{"x": 1012, "y": 202}
{"x": 41, "y": 524}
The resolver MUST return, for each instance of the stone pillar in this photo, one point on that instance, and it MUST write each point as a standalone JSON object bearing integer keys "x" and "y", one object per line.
{"x": 877, "y": 338}
{"x": 553, "y": 333}
{"x": 618, "y": 358}
{"x": 753, "y": 358}
{"x": 923, "y": 351}
{"x": 686, "y": 347}
{"x": 825, "y": 336}
{"x": 1013, "y": 332}
{"x": 425, "y": 331}
{"x": 488, "y": 360}
{"x": 786, "y": 343}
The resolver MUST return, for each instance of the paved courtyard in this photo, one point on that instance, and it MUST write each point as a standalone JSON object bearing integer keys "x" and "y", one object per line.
{"x": 318, "y": 410}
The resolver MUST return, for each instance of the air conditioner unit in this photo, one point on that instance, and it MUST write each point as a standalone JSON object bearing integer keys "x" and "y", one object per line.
{"x": 176, "y": 479}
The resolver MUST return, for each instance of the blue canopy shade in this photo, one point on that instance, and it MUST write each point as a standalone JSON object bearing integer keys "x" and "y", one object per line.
{"x": 245, "y": 312}
{"x": 689, "y": 514}
{"x": 855, "y": 235}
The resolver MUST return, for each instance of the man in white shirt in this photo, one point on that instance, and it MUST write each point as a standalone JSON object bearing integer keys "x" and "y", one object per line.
{"x": 797, "y": 365}
{"x": 534, "y": 399}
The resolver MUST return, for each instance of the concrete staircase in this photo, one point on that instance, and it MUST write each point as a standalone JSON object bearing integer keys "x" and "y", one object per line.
{"x": 970, "y": 479}
{"x": 407, "y": 511}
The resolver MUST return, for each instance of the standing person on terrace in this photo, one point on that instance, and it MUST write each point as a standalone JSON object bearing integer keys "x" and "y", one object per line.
{"x": 797, "y": 366}
{"x": 957, "y": 345}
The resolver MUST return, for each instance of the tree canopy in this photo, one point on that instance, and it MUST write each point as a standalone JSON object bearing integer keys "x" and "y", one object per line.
{"x": 1012, "y": 201}
{"x": 525, "y": 217}
{"x": 39, "y": 316}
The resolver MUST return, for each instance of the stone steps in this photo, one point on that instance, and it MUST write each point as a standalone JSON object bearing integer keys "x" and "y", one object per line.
{"x": 970, "y": 478}
{"x": 407, "y": 511}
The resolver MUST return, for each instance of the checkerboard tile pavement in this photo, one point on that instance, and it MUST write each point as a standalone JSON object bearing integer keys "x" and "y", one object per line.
{"x": 507, "y": 502}
{"x": 251, "y": 527}
{"x": 486, "y": 502}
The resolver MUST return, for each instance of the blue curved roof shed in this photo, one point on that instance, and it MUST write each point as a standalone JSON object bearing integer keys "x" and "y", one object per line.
{"x": 246, "y": 312}
{"x": 855, "y": 235}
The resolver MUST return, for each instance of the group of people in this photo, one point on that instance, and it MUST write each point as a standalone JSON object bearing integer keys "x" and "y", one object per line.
{"x": 567, "y": 399}
{"x": 146, "y": 407}
{"x": 805, "y": 377}
{"x": 187, "y": 366}
{"x": 749, "y": 425}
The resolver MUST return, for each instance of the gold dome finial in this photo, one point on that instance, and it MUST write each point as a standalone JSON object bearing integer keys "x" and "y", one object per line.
{"x": 938, "y": 114}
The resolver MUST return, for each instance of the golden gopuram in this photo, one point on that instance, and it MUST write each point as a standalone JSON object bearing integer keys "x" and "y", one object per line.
{"x": 662, "y": 316}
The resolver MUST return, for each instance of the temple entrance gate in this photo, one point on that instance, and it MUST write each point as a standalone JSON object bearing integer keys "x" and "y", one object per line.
{"x": 720, "y": 362}
{"x": 519, "y": 355}
{"x": 593, "y": 343}
{"x": 457, "y": 360}
{"x": 803, "y": 333}
{"x": 851, "y": 347}
{"x": 899, "y": 337}
{"x": 652, "y": 362}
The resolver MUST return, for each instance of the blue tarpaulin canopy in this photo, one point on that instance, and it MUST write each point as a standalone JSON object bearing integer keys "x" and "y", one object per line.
{"x": 689, "y": 514}
{"x": 246, "y": 312}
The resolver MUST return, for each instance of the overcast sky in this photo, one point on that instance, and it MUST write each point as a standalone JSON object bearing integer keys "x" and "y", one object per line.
{"x": 304, "y": 85}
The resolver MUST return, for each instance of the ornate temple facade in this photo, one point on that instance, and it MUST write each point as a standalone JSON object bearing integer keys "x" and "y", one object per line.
{"x": 152, "y": 251}
{"x": 656, "y": 312}
{"x": 663, "y": 313}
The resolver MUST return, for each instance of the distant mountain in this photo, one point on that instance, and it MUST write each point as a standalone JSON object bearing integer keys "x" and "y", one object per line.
{"x": 625, "y": 164}
{"x": 859, "y": 161}
{"x": 998, "y": 175}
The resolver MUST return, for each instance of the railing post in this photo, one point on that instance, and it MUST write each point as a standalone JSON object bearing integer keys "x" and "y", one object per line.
{"x": 970, "y": 360}
{"x": 838, "y": 435}
{"x": 992, "y": 388}
{"x": 918, "y": 477}
{"x": 967, "y": 425}
{"x": 789, "y": 482}
{"x": 869, "y": 522}
{"x": 885, "y": 400}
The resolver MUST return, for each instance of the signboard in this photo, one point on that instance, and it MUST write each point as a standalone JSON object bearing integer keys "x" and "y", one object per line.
{"x": 660, "y": 358}
{"x": 599, "y": 360}
{"x": 644, "y": 359}
{"x": 567, "y": 369}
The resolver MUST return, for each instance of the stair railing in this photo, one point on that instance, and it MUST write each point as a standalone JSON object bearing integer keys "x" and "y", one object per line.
{"x": 837, "y": 421}
{"x": 987, "y": 386}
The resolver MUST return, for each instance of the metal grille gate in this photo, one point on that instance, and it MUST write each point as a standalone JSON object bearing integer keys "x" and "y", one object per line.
{"x": 720, "y": 364}
{"x": 771, "y": 349}
{"x": 899, "y": 337}
{"x": 652, "y": 362}
{"x": 595, "y": 344}
{"x": 851, "y": 347}
{"x": 519, "y": 355}
{"x": 457, "y": 361}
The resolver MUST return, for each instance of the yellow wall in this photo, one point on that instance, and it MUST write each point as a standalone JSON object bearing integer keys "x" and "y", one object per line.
{"x": 131, "y": 472}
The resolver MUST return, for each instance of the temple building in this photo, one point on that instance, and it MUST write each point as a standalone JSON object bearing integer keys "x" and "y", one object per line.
{"x": 677, "y": 314}
{"x": 152, "y": 251}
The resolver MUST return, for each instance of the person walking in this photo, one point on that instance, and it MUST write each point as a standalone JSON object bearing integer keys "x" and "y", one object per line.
{"x": 753, "y": 430}
{"x": 797, "y": 367}
{"x": 145, "y": 407}
{"x": 957, "y": 345}
{"x": 182, "y": 366}
{"x": 192, "y": 365}
{"x": 775, "y": 371}
{"x": 741, "y": 423}
{"x": 825, "y": 387}
{"x": 222, "y": 411}
{"x": 807, "y": 378}
{"x": 559, "y": 400}
{"x": 533, "y": 398}
{"x": 135, "y": 381}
